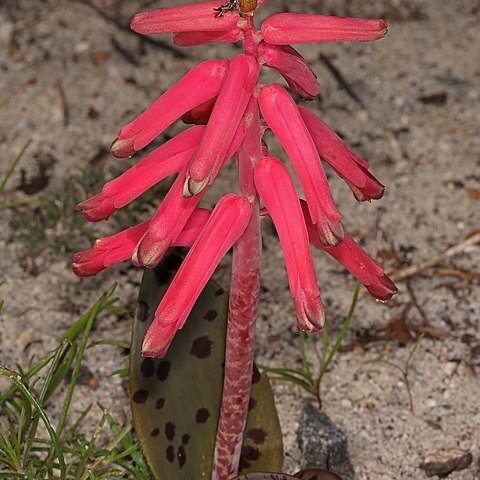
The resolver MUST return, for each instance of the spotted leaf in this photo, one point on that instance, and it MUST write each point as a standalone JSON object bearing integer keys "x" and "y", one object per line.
{"x": 309, "y": 474}
{"x": 176, "y": 400}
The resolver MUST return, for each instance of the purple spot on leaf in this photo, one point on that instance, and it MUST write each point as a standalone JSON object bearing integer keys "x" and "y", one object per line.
{"x": 182, "y": 456}
{"x": 142, "y": 311}
{"x": 170, "y": 454}
{"x": 250, "y": 453}
{"x": 140, "y": 396}
{"x": 257, "y": 435}
{"x": 147, "y": 367}
{"x": 201, "y": 347}
{"x": 163, "y": 370}
{"x": 211, "y": 315}
{"x": 170, "y": 431}
{"x": 202, "y": 415}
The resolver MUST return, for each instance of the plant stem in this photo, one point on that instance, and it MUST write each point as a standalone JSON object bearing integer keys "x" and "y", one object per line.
{"x": 244, "y": 295}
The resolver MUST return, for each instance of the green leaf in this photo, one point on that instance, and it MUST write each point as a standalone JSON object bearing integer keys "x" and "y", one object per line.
{"x": 176, "y": 400}
{"x": 317, "y": 474}
{"x": 309, "y": 474}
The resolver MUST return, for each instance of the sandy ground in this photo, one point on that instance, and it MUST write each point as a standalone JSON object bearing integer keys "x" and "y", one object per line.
{"x": 69, "y": 89}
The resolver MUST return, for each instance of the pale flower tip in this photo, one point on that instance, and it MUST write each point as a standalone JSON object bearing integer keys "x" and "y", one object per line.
{"x": 383, "y": 289}
{"x": 95, "y": 209}
{"x": 79, "y": 270}
{"x": 192, "y": 187}
{"x": 158, "y": 339}
{"x": 383, "y": 27}
{"x": 150, "y": 350}
{"x": 330, "y": 234}
{"x": 87, "y": 263}
{"x": 149, "y": 253}
{"x": 122, "y": 148}
{"x": 310, "y": 313}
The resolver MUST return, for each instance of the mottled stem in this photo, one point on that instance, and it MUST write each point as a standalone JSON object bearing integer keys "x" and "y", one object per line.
{"x": 244, "y": 294}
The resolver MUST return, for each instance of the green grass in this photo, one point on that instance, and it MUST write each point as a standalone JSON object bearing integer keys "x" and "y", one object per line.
{"x": 33, "y": 447}
{"x": 47, "y": 223}
{"x": 403, "y": 369}
{"x": 13, "y": 166}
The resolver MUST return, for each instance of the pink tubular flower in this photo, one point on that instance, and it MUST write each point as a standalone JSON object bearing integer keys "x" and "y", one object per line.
{"x": 186, "y": 18}
{"x": 286, "y": 28}
{"x": 172, "y": 216}
{"x": 227, "y": 113}
{"x": 292, "y": 66}
{"x": 227, "y": 222}
{"x": 224, "y": 99}
{"x": 356, "y": 261}
{"x": 221, "y": 97}
{"x": 117, "y": 248}
{"x": 191, "y": 39}
{"x": 349, "y": 166}
{"x": 200, "y": 115}
{"x": 283, "y": 117}
{"x": 170, "y": 106}
{"x": 277, "y": 191}
{"x": 166, "y": 160}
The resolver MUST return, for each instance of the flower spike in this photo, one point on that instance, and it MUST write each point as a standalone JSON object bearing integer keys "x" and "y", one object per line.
{"x": 335, "y": 152}
{"x": 286, "y": 28}
{"x": 226, "y": 224}
{"x": 283, "y": 117}
{"x": 166, "y": 160}
{"x": 199, "y": 85}
{"x": 185, "y": 18}
{"x": 224, "y": 100}
{"x": 228, "y": 110}
{"x": 277, "y": 191}
{"x": 292, "y": 66}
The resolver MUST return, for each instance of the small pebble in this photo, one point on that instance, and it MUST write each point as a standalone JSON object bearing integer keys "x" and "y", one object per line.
{"x": 449, "y": 368}
{"x": 444, "y": 462}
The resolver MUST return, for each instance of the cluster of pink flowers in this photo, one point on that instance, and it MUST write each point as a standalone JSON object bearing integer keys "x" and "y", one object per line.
{"x": 222, "y": 99}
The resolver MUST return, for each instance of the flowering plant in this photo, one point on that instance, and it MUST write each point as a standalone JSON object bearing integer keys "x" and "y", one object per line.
{"x": 224, "y": 99}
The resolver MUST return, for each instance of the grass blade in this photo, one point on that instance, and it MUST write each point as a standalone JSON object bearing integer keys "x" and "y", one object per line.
{"x": 17, "y": 380}
{"x": 13, "y": 166}
{"x": 343, "y": 331}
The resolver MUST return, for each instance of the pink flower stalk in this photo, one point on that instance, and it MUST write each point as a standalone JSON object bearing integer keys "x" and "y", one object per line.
{"x": 224, "y": 99}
